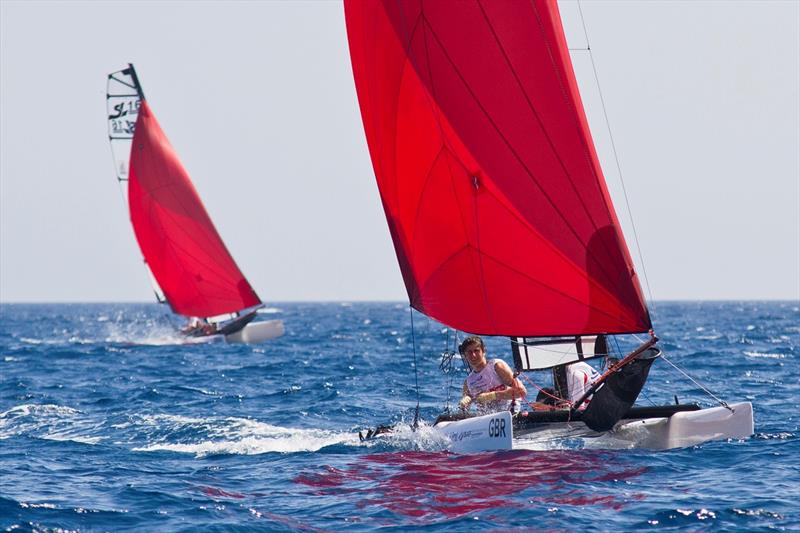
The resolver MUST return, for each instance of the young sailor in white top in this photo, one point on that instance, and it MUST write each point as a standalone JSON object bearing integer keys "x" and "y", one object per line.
{"x": 491, "y": 383}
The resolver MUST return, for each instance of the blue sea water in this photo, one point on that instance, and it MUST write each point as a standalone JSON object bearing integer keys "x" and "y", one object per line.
{"x": 108, "y": 422}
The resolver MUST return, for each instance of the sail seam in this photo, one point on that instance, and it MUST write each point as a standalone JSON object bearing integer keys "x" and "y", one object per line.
{"x": 569, "y": 177}
{"x": 480, "y": 275}
{"x": 555, "y": 250}
{"x": 211, "y": 266}
{"x": 535, "y": 113}
{"x": 528, "y": 171}
{"x": 599, "y": 180}
{"x": 522, "y": 274}
{"x": 421, "y": 21}
{"x": 174, "y": 248}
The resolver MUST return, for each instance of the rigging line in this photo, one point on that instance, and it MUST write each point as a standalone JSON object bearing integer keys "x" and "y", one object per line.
{"x": 415, "y": 425}
{"x": 676, "y": 367}
{"x": 616, "y": 343}
{"x": 616, "y": 156}
{"x": 446, "y": 353}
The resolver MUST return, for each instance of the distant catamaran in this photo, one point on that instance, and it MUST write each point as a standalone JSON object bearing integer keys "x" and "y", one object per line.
{"x": 498, "y": 209}
{"x": 190, "y": 266}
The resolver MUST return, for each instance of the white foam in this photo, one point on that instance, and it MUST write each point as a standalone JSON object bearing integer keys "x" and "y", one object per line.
{"x": 26, "y": 505}
{"x": 146, "y": 332}
{"x": 160, "y": 336}
{"x": 48, "y": 422}
{"x": 66, "y": 436}
{"x": 241, "y": 436}
{"x": 273, "y": 440}
{"x": 765, "y": 355}
{"x": 31, "y": 409}
{"x": 424, "y": 438}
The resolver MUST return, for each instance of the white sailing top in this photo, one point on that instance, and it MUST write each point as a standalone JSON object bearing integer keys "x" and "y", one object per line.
{"x": 580, "y": 377}
{"x": 487, "y": 380}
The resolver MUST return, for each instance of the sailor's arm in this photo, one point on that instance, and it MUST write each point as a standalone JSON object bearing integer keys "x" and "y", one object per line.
{"x": 514, "y": 389}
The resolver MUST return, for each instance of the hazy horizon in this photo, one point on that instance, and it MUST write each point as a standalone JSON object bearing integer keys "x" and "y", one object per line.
{"x": 258, "y": 99}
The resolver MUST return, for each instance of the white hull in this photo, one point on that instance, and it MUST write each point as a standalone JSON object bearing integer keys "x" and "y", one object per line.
{"x": 256, "y": 332}
{"x": 690, "y": 428}
{"x": 682, "y": 429}
{"x": 480, "y": 433}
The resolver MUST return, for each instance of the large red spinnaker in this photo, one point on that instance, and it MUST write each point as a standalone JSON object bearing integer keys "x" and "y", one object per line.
{"x": 492, "y": 189}
{"x": 185, "y": 253}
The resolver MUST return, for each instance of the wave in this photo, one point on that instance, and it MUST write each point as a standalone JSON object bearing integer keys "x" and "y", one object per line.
{"x": 765, "y": 355}
{"x": 48, "y": 422}
{"x": 236, "y": 436}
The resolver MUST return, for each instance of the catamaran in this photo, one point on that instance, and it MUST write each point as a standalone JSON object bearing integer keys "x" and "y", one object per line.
{"x": 499, "y": 212}
{"x": 189, "y": 265}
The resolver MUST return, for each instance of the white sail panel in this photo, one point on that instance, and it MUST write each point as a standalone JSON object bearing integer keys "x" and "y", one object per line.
{"x": 122, "y": 104}
{"x": 541, "y": 353}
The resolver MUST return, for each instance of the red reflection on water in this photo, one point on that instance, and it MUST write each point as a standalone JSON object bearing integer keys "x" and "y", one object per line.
{"x": 290, "y": 522}
{"x": 420, "y": 483}
{"x": 219, "y": 493}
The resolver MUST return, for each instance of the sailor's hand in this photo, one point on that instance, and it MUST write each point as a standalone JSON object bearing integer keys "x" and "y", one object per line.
{"x": 464, "y": 403}
{"x": 486, "y": 397}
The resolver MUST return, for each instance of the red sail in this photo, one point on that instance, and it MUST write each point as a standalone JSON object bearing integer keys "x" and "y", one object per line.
{"x": 178, "y": 240}
{"x": 492, "y": 189}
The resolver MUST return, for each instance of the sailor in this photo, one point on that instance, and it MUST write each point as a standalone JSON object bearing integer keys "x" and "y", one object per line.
{"x": 491, "y": 383}
{"x": 580, "y": 377}
{"x": 198, "y": 326}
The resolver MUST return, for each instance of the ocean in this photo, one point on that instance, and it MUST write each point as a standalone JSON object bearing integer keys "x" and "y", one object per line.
{"x": 108, "y": 422}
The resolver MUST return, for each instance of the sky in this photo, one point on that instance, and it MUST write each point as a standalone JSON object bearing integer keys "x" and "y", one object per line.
{"x": 702, "y": 100}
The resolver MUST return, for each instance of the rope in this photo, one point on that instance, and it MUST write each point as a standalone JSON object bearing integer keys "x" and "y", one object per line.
{"x": 415, "y": 425}
{"x": 721, "y": 402}
{"x": 540, "y": 389}
{"x": 445, "y": 365}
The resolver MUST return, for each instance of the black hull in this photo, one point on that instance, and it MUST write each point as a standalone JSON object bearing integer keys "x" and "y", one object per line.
{"x": 226, "y": 329}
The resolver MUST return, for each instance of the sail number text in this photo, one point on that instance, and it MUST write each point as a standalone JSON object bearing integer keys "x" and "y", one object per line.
{"x": 497, "y": 427}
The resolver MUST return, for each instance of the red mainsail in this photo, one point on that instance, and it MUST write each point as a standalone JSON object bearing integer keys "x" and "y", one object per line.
{"x": 492, "y": 189}
{"x": 185, "y": 253}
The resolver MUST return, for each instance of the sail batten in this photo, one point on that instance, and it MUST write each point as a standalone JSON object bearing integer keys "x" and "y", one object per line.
{"x": 185, "y": 255}
{"x": 494, "y": 195}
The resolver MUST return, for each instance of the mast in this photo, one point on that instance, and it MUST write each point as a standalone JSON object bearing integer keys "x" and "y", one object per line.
{"x": 135, "y": 78}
